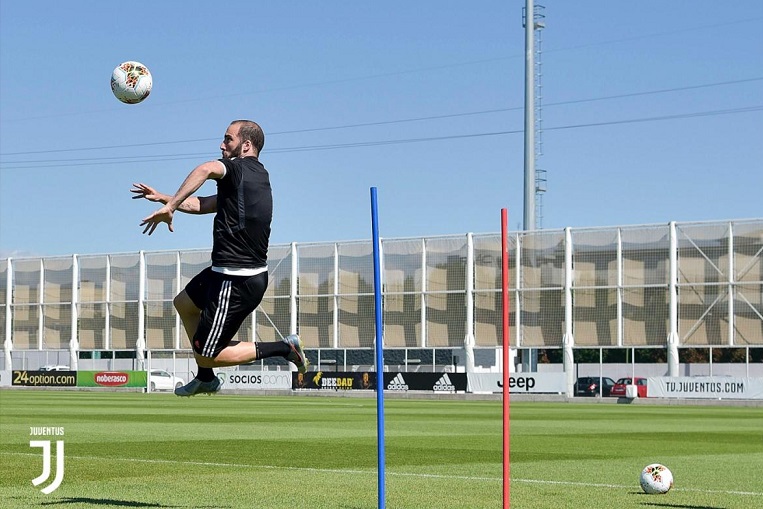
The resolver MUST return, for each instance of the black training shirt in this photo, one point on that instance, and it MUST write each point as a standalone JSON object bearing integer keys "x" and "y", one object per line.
{"x": 244, "y": 212}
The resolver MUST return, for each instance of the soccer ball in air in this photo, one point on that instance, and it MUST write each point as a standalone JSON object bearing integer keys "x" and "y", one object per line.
{"x": 131, "y": 82}
{"x": 656, "y": 479}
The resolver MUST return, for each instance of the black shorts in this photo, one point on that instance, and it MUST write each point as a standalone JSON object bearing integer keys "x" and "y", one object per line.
{"x": 225, "y": 302}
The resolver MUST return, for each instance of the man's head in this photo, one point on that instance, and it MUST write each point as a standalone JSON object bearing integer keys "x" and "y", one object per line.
{"x": 243, "y": 138}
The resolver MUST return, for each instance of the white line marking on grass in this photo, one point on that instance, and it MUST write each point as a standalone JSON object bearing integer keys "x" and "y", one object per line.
{"x": 573, "y": 483}
{"x": 269, "y": 467}
{"x": 620, "y": 486}
{"x": 396, "y": 474}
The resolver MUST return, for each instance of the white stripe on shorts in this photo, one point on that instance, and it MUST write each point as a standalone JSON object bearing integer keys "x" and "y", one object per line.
{"x": 217, "y": 324}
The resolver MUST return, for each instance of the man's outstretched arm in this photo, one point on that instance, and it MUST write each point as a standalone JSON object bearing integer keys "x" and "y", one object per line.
{"x": 194, "y": 180}
{"x": 191, "y": 205}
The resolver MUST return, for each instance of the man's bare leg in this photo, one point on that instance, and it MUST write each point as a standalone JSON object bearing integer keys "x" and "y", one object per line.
{"x": 189, "y": 313}
{"x": 235, "y": 354}
{"x": 238, "y": 353}
{"x": 190, "y": 316}
{"x": 232, "y": 355}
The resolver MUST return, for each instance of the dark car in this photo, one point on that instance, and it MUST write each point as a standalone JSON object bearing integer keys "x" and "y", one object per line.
{"x": 619, "y": 389}
{"x": 593, "y": 386}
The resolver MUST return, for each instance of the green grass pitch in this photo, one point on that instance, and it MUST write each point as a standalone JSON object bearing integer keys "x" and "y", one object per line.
{"x": 228, "y": 451}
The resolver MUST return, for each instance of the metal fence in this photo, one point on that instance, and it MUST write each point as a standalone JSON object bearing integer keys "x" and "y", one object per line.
{"x": 685, "y": 284}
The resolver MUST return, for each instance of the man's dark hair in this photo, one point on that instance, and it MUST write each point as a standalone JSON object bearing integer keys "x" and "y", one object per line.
{"x": 251, "y": 131}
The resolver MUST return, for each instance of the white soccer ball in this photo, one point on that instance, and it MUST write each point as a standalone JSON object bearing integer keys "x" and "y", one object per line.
{"x": 131, "y": 82}
{"x": 656, "y": 479}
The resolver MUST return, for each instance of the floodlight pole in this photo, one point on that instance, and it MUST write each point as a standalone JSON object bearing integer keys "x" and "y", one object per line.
{"x": 528, "y": 216}
{"x": 529, "y": 357}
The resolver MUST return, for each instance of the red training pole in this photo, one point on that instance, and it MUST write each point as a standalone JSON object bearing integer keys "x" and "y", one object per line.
{"x": 506, "y": 398}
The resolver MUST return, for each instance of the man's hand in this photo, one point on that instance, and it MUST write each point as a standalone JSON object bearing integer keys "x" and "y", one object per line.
{"x": 149, "y": 193}
{"x": 163, "y": 215}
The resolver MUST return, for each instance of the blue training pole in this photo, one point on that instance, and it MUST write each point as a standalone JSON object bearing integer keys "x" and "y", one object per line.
{"x": 379, "y": 347}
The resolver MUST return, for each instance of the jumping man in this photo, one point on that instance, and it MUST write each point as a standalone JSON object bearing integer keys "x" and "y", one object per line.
{"x": 216, "y": 301}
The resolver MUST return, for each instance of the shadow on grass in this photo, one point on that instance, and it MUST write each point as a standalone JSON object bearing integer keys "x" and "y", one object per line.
{"x": 110, "y": 502}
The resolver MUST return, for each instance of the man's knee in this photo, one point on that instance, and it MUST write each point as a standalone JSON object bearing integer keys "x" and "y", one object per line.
{"x": 184, "y": 305}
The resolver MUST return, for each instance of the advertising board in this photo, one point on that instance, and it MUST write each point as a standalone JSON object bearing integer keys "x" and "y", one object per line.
{"x": 705, "y": 387}
{"x": 112, "y": 379}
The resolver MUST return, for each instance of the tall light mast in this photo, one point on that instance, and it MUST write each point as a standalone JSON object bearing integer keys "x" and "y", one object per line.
{"x": 540, "y": 174}
{"x": 535, "y": 179}
{"x": 528, "y": 217}
{"x": 533, "y": 94}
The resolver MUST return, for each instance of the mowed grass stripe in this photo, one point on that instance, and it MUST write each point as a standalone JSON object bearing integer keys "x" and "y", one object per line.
{"x": 129, "y": 449}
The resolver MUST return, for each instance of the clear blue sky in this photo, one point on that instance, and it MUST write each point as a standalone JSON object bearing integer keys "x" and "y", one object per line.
{"x": 653, "y": 111}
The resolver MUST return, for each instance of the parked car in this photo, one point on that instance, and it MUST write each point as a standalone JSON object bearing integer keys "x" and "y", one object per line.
{"x": 619, "y": 388}
{"x": 160, "y": 380}
{"x": 55, "y": 368}
{"x": 593, "y": 386}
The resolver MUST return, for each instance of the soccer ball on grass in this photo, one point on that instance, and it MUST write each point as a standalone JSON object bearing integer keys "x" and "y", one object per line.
{"x": 656, "y": 479}
{"x": 131, "y": 82}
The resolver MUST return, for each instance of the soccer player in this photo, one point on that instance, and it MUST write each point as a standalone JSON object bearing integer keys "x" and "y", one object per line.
{"x": 216, "y": 301}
